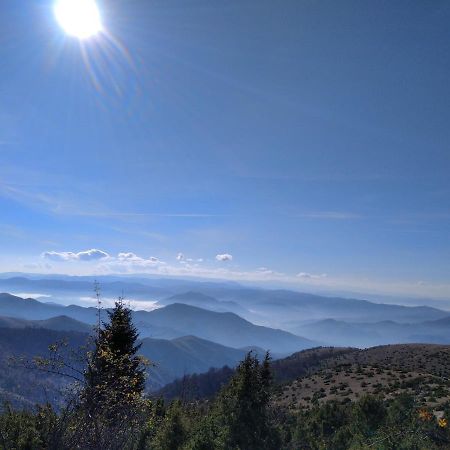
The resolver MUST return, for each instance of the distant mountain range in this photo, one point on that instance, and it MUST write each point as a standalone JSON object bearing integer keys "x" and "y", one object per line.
{"x": 178, "y": 339}
{"x": 205, "y": 301}
{"x": 275, "y": 308}
{"x": 379, "y": 333}
{"x": 233, "y": 315}
{"x": 172, "y": 321}
{"x": 59, "y": 323}
{"x": 225, "y": 328}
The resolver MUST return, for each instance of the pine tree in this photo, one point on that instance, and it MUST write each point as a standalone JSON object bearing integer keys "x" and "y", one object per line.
{"x": 243, "y": 408}
{"x": 172, "y": 432}
{"x": 112, "y": 402}
{"x": 115, "y": 373}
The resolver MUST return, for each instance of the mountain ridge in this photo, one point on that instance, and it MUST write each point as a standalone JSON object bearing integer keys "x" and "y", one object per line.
{"x": 172, "y": 321}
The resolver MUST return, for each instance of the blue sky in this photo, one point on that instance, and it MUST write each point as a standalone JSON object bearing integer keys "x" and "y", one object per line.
{"x": 307, "y": 140}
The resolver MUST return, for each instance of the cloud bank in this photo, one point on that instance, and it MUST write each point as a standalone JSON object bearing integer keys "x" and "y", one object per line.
{"x": 99, "y": 262}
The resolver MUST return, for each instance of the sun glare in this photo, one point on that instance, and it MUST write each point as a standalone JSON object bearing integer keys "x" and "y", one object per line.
{"x": 78, "y": 18}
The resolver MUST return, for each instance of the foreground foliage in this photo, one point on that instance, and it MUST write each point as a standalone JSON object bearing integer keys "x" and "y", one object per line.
{"x": 370, "y": 423}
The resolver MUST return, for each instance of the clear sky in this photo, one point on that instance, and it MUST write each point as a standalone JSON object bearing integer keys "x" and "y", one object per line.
{"x": 303, "y": 141}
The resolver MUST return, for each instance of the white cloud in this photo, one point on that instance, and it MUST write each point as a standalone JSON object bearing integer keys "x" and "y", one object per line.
{"x": 128, "y": 256}
{"x": 127, "y": 262}
{"x": 311, "y": 276}
{"x": 132, "y": 257}
{"x": 87, "y": 255}
{"x": 224, "y": 257}
{"x": 181, "y": 258}
{"x": 59, "y": 256}
{"x": 93, "y": 254}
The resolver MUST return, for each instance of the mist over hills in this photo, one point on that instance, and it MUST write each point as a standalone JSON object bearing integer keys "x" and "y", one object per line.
{"x": 172, "y": 321}
{"x": 379, "y": 333}
{"x": 205, "y": 301}
{"x": 271, "y": 307}
{"x": 226, "y": 328}
{"x": 324, "y": 320}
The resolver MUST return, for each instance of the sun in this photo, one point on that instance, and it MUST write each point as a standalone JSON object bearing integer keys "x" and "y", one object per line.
{"x": 78, "y": 18}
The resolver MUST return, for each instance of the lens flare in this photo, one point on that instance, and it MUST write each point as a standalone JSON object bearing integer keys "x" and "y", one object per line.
{"x": 78, "y": 18}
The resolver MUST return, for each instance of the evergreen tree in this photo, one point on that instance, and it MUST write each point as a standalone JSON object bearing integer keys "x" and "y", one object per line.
{"x": 172, "y": 432}
{"x": 115, "y": 373}
{"x": 243, "y": 408}
{"x": 112, "y": 401}
{"x": 24, "y": 430}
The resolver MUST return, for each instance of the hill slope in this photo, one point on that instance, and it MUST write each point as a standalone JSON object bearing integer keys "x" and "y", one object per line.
{"x": 59, "y": 323}
{"x": 415, "y": 358}
{"x": 225, "y": 328}
{"x": 185, "y": 355}
{"x": 417, "y": 369}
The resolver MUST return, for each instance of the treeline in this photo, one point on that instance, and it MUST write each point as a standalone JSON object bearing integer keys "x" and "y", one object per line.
{"x": 109, "y": 410}
{"x": 193, "y": 387}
